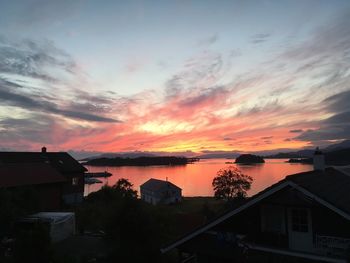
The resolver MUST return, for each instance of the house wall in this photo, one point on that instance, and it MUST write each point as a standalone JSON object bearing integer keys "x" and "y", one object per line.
{"x": 50, "y": 196}
{"x": 73, "y": 192}
{"x": 328, "y": 223}
{"x": 164, "y": 197}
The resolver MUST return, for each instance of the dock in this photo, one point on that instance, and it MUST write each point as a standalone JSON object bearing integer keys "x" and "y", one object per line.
{"x": 98, "y": 175}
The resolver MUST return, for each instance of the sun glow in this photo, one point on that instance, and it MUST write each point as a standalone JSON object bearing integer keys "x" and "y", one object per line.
{"x": 166, "y": 127}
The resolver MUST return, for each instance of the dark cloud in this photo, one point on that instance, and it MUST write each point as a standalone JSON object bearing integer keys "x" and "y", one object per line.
{"x": 267, "y": 107}
{"x": 339, "y": 102}
{"x": 296, "y": 131}
{"x": 326, "y": 133}
{"x": 44, "y": 61}
{"x": 337, "y": 126}
{"x": 36, "y": 128}
{"x": 28, "y": 102}
{"x": 34, "y": 59}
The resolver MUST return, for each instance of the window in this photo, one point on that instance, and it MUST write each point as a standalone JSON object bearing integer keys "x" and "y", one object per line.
{"x": 75, "y": 181}
{"x": 300, "y": 220}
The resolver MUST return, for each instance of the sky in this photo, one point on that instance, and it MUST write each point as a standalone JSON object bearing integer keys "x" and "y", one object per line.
{"x": 173, "y": 76}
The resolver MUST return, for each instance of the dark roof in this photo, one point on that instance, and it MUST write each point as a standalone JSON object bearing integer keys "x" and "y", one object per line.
{"x": 158, "y": 185}
{"x": 331, "y": 185}
{"x": 62, "y": 161}
{"x": 12, "y": 175}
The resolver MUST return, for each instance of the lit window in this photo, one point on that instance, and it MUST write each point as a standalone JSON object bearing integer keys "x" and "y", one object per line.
{"x": 300, "y": 220}
{"x": 75, "y": 181}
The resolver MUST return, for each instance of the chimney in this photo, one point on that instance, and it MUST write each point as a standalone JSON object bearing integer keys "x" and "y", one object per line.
{"x": 319, "y": 162}
{"x": 43, "y": 150}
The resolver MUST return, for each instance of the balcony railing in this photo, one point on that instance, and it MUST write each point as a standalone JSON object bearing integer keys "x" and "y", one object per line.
{"x": 329, "y": 245}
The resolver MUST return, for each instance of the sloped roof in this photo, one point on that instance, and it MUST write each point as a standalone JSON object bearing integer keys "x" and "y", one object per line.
{"x": 158, "y": 185}
{"x": 12, "y": 175}
{"x": 62, "y": 161}
{"x": 330, "y": 187}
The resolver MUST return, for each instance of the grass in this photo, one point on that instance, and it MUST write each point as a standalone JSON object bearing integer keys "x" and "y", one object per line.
{"x": 195, "y": 205}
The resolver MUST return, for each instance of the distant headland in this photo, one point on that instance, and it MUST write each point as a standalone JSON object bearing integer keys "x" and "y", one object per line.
{"x": 141, "y": 161}
{"x": 249, "y": 159}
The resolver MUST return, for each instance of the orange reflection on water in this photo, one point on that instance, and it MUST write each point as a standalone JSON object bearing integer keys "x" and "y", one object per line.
{"x": 195, "y": 179}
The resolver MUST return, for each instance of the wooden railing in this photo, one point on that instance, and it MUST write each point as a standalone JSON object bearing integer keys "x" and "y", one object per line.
{"x": 330, "y": 245}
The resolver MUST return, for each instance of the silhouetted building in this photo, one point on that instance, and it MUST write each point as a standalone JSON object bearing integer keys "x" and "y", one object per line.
{"x": 305, "y": 216}
{"x": 319, "y": 160}
{"x": 156, "y": 191}
{"x": 43, "y": 166}
{"x": 45, "y": 181}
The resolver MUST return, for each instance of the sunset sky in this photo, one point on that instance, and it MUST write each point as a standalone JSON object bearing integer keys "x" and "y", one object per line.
{"x": 175, "y": 76}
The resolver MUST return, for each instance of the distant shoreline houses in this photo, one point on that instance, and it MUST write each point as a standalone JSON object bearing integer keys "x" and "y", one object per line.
{"x": 57, "y": 177}
{"x": 302, "y": 218}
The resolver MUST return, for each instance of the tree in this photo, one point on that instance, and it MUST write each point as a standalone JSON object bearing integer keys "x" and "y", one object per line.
{"x": 125, "y": 188}
{"x": 231, "y": 183}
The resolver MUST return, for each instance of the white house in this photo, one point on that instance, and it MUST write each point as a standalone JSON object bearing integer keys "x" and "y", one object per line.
{"x": 156, "y": 191}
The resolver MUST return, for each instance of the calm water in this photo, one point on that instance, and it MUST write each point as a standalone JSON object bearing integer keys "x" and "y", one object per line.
{"x": 195, "y": 179}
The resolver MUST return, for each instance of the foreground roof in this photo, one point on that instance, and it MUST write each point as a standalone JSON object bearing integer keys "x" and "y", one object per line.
{"x": 331, "y": 185}
{"x": 158, "y": 185}
{"x": 330, "y": 188}
{"x": 62, "y": 161}
{"x": 12, "y": 175}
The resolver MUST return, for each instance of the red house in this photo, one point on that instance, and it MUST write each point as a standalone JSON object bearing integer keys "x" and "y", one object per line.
{"x": 56, "y": 173}
{"x": 42, "y": 178}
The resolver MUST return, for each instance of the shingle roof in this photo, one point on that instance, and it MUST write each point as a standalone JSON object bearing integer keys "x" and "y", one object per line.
{"x": 12, "y": 175}
{"x": 62, "y": 161}
{"x": 158, "y": 185}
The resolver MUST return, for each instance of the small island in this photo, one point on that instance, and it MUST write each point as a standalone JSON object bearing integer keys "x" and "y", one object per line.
{"x": 141, "y": 161}
{"x": 249, "y": 159}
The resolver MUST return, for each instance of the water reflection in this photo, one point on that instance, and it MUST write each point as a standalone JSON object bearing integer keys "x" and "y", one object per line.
{"x": 195, "y": 179}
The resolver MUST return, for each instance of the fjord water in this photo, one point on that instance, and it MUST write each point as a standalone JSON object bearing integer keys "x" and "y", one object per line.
{"x": 195, "y": 179}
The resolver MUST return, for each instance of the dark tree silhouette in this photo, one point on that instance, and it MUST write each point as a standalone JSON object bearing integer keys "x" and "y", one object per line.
{"x": 125, "y": 188}
{"x": 231, "y": 183}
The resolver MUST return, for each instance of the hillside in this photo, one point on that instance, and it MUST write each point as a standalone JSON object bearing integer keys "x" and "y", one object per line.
{"x": 337, "y": 157}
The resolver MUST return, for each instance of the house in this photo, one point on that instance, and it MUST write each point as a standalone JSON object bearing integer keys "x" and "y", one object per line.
{"x": 44, "y": 180}
{"x": 302, "y": 218}
{"x": 156, "y": 191}
{"x": 60, "y": 162}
